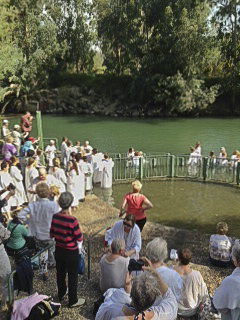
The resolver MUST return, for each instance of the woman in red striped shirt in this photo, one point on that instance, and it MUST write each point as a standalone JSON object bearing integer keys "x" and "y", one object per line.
{"x": 66, "y": 232}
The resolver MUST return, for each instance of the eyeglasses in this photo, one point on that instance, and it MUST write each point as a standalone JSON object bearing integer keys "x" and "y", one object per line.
{"x": 127, "y": 225}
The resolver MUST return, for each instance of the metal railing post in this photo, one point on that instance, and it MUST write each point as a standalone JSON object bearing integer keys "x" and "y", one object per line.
{"x": 89, "y": 258}
{"x": 172, "y": 166}
{"x": 205, "y": 160}
{"x": 140, "y": 168}
{"x": 40, "y": 133}
{"x": 238, "y": 173}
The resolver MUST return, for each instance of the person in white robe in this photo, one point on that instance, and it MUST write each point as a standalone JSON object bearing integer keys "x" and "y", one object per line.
{"x": 194, "y": 287}
{"x": 17, "y": 178}
{"x": 198, "y": 149}
{"x": 50, "y": 152}
{"x": 227, "y": 297}
{"x": 128, "y": 230}
{"x": 64, "y": 151}
{"x": 5, "y": 180}
{"x": 97, "y": 166}
{"x": 107, "y": 164}
{"x": 42, "y": 177}
{"x": 72, "y": 182}
{"x": 80, "y": 177}
{"x": 88, "y": 171}
{"x": 30, "y": 174}
{"x": 234, "y": 159}
{"x": 193, "y": 162}
{"x": 87, "y": 146}
{"x": 59, "y": 175}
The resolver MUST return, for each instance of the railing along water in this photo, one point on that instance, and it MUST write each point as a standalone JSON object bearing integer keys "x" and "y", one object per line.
{"x": 179, "y": 166}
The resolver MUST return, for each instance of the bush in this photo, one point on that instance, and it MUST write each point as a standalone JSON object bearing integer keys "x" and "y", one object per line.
{"x": 178, "y": 95}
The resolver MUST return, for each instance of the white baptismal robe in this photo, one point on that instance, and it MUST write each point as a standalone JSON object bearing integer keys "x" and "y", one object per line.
{"x": 97, "y": 167}
{"x": 227, "y": 297}
{"x": 107, "y": 174}
{"x": 60, "y": 176}
{"x": 133, "y": 241}
{"x": 17, "y": 177}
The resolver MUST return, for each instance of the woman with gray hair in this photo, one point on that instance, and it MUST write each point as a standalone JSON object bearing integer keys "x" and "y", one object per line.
{"x": 157, "y": 253}
{"x": 66, "y": 232}
{"x": 227, "y": 297}
{"x": 136, "y": 301}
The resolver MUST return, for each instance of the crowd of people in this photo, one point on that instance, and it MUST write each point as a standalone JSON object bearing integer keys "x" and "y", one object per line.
{"x": 37, "y": 205}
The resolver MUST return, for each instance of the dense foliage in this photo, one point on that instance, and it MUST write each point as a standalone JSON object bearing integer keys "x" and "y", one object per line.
{"x": 169, "y": 49}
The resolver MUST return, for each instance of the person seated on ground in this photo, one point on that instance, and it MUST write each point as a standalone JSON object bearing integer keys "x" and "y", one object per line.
{"x": 127, "y": 230}
{"x": 5, "y": 267}
{"x": 194, "y": 287}
{"x": 16, "y": 242}
{"x": 40, "y": 217}
{"x": 137, "y": 204}
{"x": 220, "y": 246}
{"x": 137, "y": 299}
{"x": 227, "y": 297}
{"x": 157, "y": 253}
{"x": 114, "y": 266}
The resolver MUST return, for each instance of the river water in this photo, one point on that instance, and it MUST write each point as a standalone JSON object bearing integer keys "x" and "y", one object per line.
{"x": 177, "y": 203}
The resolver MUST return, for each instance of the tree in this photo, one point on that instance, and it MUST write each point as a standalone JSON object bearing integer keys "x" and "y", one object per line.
{"x": 10, "y": 55}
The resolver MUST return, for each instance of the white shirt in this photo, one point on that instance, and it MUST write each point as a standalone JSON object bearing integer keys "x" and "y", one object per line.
{"x": 133, "y": 241}
{"x": 112, "y": 307}
{"x": 41, "y": 213}
{"x": 219, "y": 247}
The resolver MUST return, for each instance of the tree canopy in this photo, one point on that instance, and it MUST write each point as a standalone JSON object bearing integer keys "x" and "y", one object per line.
{"x": 180, "y": 54}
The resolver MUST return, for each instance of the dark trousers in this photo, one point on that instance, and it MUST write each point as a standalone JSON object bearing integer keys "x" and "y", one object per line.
{"x": 141, "y": 223}
{"x": 67, "y": 263}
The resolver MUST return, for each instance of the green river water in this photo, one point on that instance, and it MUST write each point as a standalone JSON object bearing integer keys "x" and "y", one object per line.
{"x": 184, "y": 204}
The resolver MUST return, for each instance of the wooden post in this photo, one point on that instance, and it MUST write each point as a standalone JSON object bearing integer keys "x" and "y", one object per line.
{"x": 40, "y": 133}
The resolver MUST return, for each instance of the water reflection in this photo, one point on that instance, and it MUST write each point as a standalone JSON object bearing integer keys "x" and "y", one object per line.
{"x": 185, "y": 204}
{"x": 104, "y": 194}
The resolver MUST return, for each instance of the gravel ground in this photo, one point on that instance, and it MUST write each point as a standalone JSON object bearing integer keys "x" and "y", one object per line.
{"x": 93, "y": 215}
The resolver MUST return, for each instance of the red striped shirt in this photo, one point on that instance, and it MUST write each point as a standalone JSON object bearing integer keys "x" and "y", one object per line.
{"x": 65, "y": 229}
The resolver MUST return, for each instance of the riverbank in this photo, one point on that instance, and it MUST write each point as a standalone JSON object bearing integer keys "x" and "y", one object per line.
{"x": 93, "y": 215}
{"x": 91, "y": 100}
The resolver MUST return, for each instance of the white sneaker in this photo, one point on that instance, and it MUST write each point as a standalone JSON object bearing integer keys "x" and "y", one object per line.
{"x": 79, "y": 303}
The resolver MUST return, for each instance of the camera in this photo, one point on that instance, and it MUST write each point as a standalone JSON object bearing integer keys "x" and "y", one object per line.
{"x": 135, "y": 265}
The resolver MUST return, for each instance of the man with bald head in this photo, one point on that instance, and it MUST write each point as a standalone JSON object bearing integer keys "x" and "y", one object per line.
{"x": 42, "y": 177}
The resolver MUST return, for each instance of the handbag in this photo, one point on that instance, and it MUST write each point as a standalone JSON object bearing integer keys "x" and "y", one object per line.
{"x": 81, "y": 264}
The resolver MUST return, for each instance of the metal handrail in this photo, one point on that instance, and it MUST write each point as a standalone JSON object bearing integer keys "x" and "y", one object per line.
{"x": 10, "y": 277}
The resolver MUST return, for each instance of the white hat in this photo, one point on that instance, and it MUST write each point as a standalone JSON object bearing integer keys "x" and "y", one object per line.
{"x": 5, "y": 121}
{"x": 16, "y": 126}
{"x": 52, "y": 141}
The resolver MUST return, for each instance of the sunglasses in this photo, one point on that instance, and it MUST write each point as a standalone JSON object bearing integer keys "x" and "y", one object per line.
{"x": 127, "y": 225}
